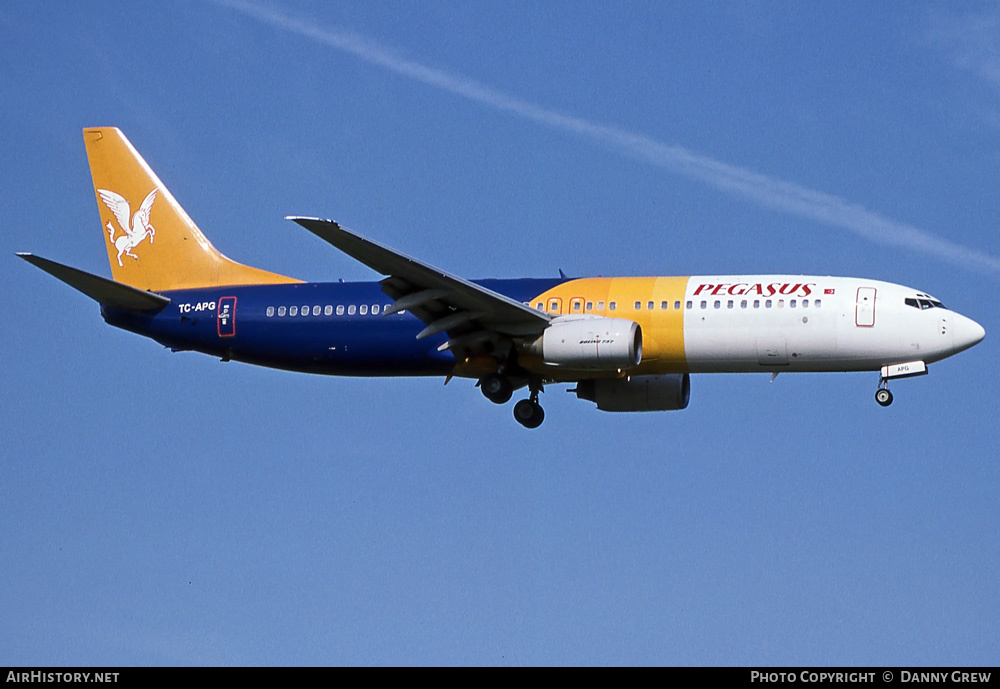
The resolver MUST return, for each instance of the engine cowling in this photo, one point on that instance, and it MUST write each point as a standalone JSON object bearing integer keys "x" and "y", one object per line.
{"x": 590, "y": 344}
{"x": 637, "y": 393}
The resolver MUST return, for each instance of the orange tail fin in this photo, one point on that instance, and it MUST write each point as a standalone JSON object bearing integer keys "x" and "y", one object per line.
{"x": 152, "y": 243}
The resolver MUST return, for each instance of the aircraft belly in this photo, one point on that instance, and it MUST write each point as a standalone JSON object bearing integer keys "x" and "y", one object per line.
{"x": 352, "y": 347}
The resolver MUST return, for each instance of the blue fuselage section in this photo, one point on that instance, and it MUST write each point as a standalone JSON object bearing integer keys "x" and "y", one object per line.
{"x": 330, "y": 328}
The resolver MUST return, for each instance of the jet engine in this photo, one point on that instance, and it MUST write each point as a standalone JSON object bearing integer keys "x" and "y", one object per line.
{"x": 590, "y": 343}
{"x": 637, "y": 393}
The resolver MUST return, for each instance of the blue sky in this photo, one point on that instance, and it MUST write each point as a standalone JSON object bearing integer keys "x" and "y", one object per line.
{"x": 167, "y": 508}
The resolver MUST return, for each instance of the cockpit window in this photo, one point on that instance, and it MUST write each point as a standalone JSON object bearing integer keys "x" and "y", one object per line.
{"x": 924, "y": 303}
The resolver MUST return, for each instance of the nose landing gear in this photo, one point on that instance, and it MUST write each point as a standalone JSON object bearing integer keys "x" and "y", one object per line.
{"x": 893, "y": 371}
{"x": 882, "y": 395}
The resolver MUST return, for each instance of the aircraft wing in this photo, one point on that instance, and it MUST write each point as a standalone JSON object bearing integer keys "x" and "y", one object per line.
{"x": 469, "y": 313}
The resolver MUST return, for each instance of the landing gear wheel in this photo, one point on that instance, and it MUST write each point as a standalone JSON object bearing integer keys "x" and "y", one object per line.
{"x": 883, "y": 397}
{"x": 529, "y": 414}
{"x": 496, "y": 388}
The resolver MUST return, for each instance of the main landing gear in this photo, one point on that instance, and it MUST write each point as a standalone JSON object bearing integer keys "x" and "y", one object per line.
{"x": 882, "y": 395}
{"x": 529, "y": 412}
{"x": 498, "y": 389}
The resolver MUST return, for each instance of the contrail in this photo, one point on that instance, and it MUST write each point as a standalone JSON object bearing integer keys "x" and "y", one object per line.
{"x": 763, "y": 190}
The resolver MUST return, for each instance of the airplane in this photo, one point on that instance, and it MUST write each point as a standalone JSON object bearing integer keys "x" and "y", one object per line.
{"x": 626, "y": 343}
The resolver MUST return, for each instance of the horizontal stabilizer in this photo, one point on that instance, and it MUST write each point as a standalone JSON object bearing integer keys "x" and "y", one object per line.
{"x": 104, "y": 291}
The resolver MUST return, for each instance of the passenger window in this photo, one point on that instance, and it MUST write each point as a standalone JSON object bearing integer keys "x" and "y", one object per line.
{"x": 270, "y": 311}
{"x": 718, "y": 303}
{"x": 340, "y": 309}
{"x": 293, "y": 311}
{"x": 317, "y": 310}
{"x": 677, "y": 305}
{"x": 729, "y": 304}
{"x": 781, "y": 303}
{"x": 351, "y": 310}
{"x": 805, "y": 303}
{"x": 649, "y": 306}
{"x": 305, "y": 311}
{"x": 374, "y": 309}
{"x": 281, "y": 310}
{"x": 539, "y": 306}
{"x": 817, "y": 303}
{"x": 690, "y": 304}
{"x": 767, "y": 304}
{"x": 363, "y": 310}
{"x": 638, "y": 305}
{"x": 791, "y": 304}
{"x": 756, "y": 303}
{"x": 664, "y": 306}
{"x": 576, "y": 306}
{"x": 704, "y": 304}
{"x": 743, "y": 304}
{"x": 590, "y": 306}
{"x": 328, "y": 310}
{"x": 613, "y": 305}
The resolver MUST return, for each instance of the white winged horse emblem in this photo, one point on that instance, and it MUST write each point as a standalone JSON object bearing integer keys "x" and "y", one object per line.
{"x": 135, "y": 227}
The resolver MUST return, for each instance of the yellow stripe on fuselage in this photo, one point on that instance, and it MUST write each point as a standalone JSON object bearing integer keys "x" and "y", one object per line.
{"x": 662, "y": 328}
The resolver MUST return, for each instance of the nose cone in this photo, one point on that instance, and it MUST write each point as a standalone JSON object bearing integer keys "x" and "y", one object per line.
{"x": 967, "y": 333}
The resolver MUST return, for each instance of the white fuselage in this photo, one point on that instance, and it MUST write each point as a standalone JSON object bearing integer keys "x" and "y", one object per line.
{"x": 805, "y": 323}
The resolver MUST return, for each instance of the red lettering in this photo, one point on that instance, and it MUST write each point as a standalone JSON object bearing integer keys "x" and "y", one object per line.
{"x": 742, "y": 289}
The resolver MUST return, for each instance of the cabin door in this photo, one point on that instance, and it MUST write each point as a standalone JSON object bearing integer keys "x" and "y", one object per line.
{"x": 865, "y": 311}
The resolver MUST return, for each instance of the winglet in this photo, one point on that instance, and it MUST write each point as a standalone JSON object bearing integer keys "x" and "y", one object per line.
{"x": 105, "y": 292}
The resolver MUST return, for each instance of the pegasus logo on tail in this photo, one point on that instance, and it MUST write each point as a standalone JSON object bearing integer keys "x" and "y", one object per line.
{"x": 135, "y": 227}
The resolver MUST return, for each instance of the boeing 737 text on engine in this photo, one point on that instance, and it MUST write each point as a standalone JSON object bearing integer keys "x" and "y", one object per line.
{"x": 628, "y": 344}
